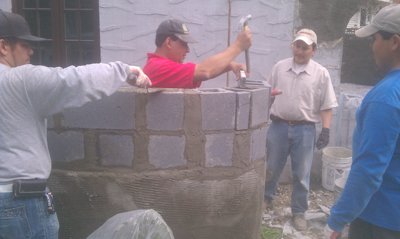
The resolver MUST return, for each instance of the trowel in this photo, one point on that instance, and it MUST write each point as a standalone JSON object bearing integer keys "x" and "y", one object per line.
{"x": 243, "y": 81}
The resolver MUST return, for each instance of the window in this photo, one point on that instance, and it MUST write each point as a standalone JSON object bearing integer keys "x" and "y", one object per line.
{"x": 72, "y": 26}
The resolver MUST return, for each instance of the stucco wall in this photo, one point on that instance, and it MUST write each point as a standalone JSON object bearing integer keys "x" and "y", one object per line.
{"x": 131, "y": 35}
{"x": 5, "y": 5}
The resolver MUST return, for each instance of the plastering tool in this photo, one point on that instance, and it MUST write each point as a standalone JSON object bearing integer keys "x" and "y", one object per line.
{"x": 243, "y": 82}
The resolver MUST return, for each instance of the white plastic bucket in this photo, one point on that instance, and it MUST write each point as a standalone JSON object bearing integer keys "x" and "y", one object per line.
{"x": 340, "y": 183}
{"x": 335, "y": 162}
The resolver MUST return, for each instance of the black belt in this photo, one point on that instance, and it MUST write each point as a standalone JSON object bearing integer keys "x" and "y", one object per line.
{"x": 291, "y": 122}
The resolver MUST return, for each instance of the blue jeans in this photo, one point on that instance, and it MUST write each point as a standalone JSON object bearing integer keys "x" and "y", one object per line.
{"x": 296, "y": 141}
{"x": 26, "y": 218}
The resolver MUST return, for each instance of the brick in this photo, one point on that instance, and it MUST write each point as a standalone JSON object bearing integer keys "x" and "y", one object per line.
{"x": 243, "y": 98}
{"x": 116, "y": 150}
{"x": 165, "y": 111}
{"x": 219, "y": 149}
{"x": 112, "y": 112}
{"x": 260, "y": 99}
{"x": 166, "y": 151}
{"x": 218, "y": 109}
{"x": 258, "y": 144}
{"x": 66, "y": 146}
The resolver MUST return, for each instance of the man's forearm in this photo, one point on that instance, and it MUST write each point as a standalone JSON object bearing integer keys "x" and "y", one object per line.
{"x": 326, "y": 118}
{"x": 216, "y": 64}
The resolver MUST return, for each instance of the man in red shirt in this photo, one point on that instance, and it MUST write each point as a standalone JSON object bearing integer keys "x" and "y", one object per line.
{"x": 165, "y": 66}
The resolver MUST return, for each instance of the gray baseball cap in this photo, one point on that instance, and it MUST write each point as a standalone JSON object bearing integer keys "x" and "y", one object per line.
{"x": 14, "y": 25}
{"x": 387, "y": 19}
{"x": 177, "y": 28}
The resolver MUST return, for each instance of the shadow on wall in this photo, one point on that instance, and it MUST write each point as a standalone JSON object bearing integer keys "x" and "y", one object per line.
{"x": 358, "y": 66}
{"x": 328, "y": 18}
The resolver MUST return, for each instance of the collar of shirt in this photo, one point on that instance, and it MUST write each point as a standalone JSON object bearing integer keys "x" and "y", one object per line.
{"x": 4, "y": 67}
{"x": 307, "y": 69}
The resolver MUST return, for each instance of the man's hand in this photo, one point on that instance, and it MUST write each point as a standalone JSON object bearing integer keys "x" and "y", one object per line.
{"x": 236, "y": 68}
{"x": 331, "y": 234}
{"x": 137, "y": 77}
{"x": 275, "y": 92}
{"x": 244, "y": 39}
{"x": 323, "y": 138}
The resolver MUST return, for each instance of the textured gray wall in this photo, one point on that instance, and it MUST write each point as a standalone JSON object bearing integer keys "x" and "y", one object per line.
{"x": 5, "y": 5}
{"x": 128, "y": 30}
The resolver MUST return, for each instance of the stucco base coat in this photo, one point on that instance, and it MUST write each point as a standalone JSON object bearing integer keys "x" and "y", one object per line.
{"x": 205, "y": 177}
{"x": 198, "y": 204}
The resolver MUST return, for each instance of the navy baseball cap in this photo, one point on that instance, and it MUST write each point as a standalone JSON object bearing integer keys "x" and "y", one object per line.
{"x": 14, "y": 25}
{"x": 177, "y": 28}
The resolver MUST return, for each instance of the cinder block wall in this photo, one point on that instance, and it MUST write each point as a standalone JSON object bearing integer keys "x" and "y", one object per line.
{"x": 195, "y": 156}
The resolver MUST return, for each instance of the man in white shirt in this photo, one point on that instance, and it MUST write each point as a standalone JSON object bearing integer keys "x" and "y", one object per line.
{"x": 308, "y": 98}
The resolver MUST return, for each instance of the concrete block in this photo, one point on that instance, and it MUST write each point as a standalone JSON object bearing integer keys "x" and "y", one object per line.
{"x": 258, "y": 144}
{"x": 66, "y": 146}
{"x": 218, "y": 109}
{"x": 260, "y": 99}
{"x": 242, "y": 110}
{"x": 113, "y": 112}
{"x": 165, "y": 111}
{"x": 116, "y": 150}
{"x": 219, "y": 149}
{"x": 166, "y": 151}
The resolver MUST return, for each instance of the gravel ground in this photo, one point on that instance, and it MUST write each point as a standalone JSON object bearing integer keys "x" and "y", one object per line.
{"x": 320, "y": 201}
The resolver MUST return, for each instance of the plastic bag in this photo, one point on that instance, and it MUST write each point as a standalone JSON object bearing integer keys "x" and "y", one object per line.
{"x": 138, "y": 224}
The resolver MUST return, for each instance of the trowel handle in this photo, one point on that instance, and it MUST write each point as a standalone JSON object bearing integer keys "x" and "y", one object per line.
{"x": 246, "y": 52}
{"x": 246, "y": 55}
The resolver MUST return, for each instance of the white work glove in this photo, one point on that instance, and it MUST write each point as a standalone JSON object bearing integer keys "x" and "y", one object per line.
{"x": 137, "y": 77}
{"x": 330, "y": 234}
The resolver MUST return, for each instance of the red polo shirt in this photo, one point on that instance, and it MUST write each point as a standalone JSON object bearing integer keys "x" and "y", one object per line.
{"x": 165, "y": 73}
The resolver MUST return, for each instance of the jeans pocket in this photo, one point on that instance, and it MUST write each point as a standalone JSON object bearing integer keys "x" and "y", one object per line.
{"x": 14, "y": 223}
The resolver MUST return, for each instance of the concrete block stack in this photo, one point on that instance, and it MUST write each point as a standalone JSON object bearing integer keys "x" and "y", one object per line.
{"x": 195, "y": 156}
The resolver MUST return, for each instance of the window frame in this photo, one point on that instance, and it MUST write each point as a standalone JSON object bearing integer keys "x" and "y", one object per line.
{"x": 59, "y": 41}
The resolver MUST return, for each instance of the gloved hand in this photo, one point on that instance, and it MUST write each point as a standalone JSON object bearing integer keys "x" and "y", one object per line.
{"x": 323, "y": 138}
{"x": 137, "y": 77}
{"x": 331, "y": 234}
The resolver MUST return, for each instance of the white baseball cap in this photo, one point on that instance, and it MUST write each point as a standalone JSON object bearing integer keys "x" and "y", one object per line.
{"x": 387, "y": 19}
{"x": 306, "y": 35}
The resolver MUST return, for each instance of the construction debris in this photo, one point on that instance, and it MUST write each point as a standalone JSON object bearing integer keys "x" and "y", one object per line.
{"x": 320, "y": 202}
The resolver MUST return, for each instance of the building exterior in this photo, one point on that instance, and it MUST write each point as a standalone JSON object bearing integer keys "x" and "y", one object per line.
{"x": 365, "y": 15}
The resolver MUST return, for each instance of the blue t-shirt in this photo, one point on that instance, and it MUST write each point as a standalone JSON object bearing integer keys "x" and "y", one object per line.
{"x": 372, "y": 191}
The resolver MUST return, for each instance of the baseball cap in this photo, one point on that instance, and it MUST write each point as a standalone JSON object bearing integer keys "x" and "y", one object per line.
{"x": 306, "y": 35}
{"x": 387, "y": 19}
{"x": 177, "y": 28}
{"x": 14, "y": 25}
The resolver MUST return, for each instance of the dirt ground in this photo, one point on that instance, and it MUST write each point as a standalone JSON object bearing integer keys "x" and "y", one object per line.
{"x": 320, "y": 201}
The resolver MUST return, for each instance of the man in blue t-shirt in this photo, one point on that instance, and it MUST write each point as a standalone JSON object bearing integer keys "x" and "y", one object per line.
{"x": 371, "y": 198}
